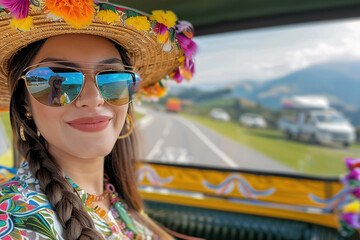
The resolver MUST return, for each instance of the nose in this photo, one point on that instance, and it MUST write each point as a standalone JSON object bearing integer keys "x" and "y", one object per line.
{"x": 90, "y": 95}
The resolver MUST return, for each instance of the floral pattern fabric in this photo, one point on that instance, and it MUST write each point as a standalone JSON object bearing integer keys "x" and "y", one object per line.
{"x": 25, "y": 212}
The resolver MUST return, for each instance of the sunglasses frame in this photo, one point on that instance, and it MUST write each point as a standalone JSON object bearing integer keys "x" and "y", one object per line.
{"x": 134, "y": 75}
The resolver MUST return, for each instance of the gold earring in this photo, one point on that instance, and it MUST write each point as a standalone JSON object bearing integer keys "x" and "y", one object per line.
{"x": 130, "y": 122}
{"x": 28, "y": 116}
{"x": 22, "y": 135}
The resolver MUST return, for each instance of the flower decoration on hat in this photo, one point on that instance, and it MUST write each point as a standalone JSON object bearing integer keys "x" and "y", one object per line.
{"x": 20, "y": 10}
{"x": 172, "y": 36}
{"x": 154, "y": 91}
{"x": 78, "y": 13}
{"x": 184, "y": 35}
{"x": 139, "y": 22}
{"x": 165, "y": 21}
{"x": 349, "y": 214}
{"x": 108, "y": 16}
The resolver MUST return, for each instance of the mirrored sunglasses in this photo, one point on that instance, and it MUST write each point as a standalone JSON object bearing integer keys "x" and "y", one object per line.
{"x": 61, "y": 85}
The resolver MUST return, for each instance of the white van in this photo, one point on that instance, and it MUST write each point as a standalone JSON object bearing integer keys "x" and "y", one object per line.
{"x": 319, "y": 126}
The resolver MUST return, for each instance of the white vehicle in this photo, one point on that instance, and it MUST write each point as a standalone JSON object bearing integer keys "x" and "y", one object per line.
{"x": 253, "y": 120}
{"x": 319, "y": 126}
{"x": 316, "y": 122}
{"x": 219, "y": 114}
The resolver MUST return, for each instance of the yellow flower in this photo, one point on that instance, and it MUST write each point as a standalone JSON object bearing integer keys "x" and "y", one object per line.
{"x": 108, "y": 16}
{"x": 352, "y": 207}
{"x": 139, "y": 22}
{"x": 24, "y": 24}
{"x": 181, "y": 59}
{"x": 167, "y": 18}
{"x": 163, "y": 38}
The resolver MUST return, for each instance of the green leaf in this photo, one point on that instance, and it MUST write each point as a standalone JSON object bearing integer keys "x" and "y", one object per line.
{"x": 131, "y": 14}
{"x": 35, "y": 222}
{"x": 107, "y": 7}
{"x": 172, "y": 33}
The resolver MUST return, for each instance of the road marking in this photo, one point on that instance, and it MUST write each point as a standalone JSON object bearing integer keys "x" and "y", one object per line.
{"x": 175, "y": 155}
{"x": 144, "y": 122}
{"x": 167, "y": 129}
{"x": 156, "y": 149}
{"x": 183, "y": 156}
{"x": 211, "y": 145}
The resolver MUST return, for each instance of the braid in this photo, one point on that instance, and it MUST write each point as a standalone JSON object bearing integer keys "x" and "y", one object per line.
{"x": 67, "y": 205}
{"x": 119, "y": 164}
{"x": 76, "y": 222}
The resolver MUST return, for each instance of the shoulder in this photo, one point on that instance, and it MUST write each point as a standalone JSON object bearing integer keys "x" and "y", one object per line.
{"x": 25, "y": 213}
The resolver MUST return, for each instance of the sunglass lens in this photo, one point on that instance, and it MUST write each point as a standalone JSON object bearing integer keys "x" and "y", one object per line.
{"x": 54, "y": 86}
{"x": 117, "y": 88}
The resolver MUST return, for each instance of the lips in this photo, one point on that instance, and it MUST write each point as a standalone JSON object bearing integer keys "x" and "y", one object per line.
{"x": 90, "y": 124}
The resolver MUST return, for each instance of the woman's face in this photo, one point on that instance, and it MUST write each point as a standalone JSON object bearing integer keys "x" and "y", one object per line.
{"x": 70, "y": 130}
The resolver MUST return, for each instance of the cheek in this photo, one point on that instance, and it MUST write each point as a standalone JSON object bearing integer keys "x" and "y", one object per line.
{"x": 120, "y": 113}
{"x": 46, "y": 118}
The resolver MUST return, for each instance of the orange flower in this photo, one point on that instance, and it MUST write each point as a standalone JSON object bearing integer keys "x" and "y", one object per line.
{"x": 77, "y": 13}
{"x": 155, "y": 90}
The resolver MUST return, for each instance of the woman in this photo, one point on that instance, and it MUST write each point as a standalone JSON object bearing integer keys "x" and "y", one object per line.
{"x": 55, "y": 96}
{"x": 78, "y": 179}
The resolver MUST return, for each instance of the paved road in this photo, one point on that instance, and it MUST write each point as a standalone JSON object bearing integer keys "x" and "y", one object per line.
{"x": 173, "y": 139}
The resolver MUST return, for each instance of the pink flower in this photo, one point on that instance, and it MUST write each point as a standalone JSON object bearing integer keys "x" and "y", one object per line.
{"x": 185, "y": 28}
{"x": 354, "y": 175}
{"x": 177, "y": 76}
{"x": 18, "y": 8}
{"x": 190, "y": 66}
{"x": 356, "y": 192}
{"x": 352, "y": 219}
{"x": 187, "y": 45}
{"x": 160, "y": 28}
{"x": 352, "y": 163}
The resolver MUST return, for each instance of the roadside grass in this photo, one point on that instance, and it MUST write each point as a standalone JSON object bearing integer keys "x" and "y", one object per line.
{"x": 6, "y": 159}
{"x": 303, "y": 157}
{"x": 139, "y": 116}
{"x": 5, "y": 118}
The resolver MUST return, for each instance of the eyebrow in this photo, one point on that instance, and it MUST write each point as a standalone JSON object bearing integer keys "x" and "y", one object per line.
{"x": 72, "y": 64}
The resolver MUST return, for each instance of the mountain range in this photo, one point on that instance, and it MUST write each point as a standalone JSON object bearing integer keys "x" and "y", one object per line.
{"x": 338, "y": 81}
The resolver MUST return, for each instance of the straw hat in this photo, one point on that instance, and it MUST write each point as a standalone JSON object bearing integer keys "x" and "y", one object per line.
{"x": 53, "y": 78}
{"x": 158, "y": 45}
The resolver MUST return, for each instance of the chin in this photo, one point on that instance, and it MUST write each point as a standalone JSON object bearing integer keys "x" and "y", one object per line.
{"x": 89, "y": 150}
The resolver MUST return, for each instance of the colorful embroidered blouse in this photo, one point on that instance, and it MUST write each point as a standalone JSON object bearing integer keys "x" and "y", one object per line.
{"x": 25, "y": 212}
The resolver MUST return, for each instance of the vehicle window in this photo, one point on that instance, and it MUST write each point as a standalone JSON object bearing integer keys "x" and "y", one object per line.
{"x": 330, "y": 118}
{"x": 241, "y": 109}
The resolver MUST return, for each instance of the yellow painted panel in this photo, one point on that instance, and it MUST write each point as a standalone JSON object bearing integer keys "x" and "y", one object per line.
{"x": 254, "y": 187}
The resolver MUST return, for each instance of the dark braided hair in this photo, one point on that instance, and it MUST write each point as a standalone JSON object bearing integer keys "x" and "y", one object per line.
{"x": 68, "y": 207}
{"x": 119, "y": 164}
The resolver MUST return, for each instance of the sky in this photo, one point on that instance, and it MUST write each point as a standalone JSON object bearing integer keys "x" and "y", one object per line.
{"x": 267, "y": 53}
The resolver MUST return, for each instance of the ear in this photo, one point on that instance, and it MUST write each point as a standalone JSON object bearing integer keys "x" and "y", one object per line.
{"x": 28, "y": 109}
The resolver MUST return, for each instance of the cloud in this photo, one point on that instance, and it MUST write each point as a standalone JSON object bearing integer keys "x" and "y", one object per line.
{"x": 267, "y": 53}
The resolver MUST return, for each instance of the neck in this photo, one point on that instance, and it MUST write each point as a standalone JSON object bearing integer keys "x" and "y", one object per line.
{"x": 87, "y": 173}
